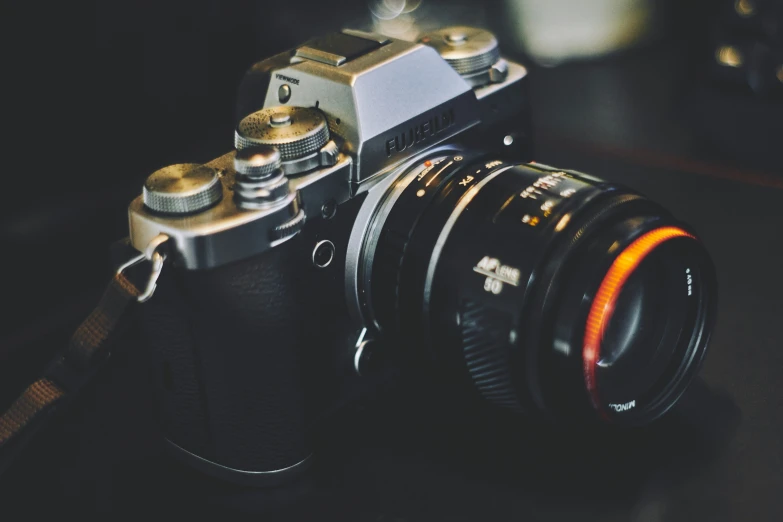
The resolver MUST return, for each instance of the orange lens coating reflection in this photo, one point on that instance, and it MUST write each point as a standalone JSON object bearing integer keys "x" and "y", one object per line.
{"x": 603, "y": 305}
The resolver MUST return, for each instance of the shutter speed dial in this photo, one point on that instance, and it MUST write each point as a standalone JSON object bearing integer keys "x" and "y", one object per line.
{"x": 300, "y": 134}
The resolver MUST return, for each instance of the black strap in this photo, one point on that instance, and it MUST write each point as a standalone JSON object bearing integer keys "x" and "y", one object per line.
{"x": 69, "y": 372}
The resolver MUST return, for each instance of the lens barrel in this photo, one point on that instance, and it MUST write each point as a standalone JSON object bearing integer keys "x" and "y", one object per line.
{"x": 550, "y": 291}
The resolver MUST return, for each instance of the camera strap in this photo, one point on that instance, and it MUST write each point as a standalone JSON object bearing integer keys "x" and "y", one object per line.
{"x": 89, "y": 347}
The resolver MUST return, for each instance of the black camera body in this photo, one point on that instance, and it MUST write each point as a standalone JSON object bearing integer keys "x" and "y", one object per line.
{"x": 320, "y": 257}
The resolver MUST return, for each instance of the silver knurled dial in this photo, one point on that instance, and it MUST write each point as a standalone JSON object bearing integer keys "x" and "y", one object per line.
{"x": 257, "y": 162}
{"x": 470, "y": 51}
{"x": 295, "y": 131}
{"x": 260, "y": 182}
{"x": 182, "y": 189}
{"x": 466, "y": 49}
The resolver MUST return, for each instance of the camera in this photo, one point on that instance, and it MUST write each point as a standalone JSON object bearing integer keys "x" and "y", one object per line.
{"x": 381, "y": 216}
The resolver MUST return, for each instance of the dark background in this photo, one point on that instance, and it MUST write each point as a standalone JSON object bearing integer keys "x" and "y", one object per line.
{"x": 96, "y": 97}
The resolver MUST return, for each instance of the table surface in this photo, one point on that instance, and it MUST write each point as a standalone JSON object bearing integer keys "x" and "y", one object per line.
{"x": 719, "y": 456}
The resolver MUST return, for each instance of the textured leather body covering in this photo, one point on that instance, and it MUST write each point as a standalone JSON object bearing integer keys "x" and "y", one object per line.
{"x": 227, "y": 350}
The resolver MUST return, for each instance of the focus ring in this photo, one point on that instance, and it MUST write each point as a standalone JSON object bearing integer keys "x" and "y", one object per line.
{"x": 486, "y": 349}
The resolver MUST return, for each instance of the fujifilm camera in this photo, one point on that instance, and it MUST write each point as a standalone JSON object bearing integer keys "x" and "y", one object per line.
{"x": 381, "y": 211}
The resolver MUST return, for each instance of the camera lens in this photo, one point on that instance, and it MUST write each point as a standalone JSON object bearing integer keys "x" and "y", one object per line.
{"x": 544, "y": 290}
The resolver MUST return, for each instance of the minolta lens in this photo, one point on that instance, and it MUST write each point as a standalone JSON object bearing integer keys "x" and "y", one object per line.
{"x": 549, "y": 291}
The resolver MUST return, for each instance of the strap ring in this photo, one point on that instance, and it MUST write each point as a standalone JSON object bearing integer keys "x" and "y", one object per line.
{"x": 155, "y": 253}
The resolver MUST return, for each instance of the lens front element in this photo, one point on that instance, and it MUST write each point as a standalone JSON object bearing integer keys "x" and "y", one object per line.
{"x": 635, "y": 322}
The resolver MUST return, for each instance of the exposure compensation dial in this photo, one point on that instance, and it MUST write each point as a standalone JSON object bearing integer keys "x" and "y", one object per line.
{"x": 182, "y": 189}
{"x": 472, "y": 52}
